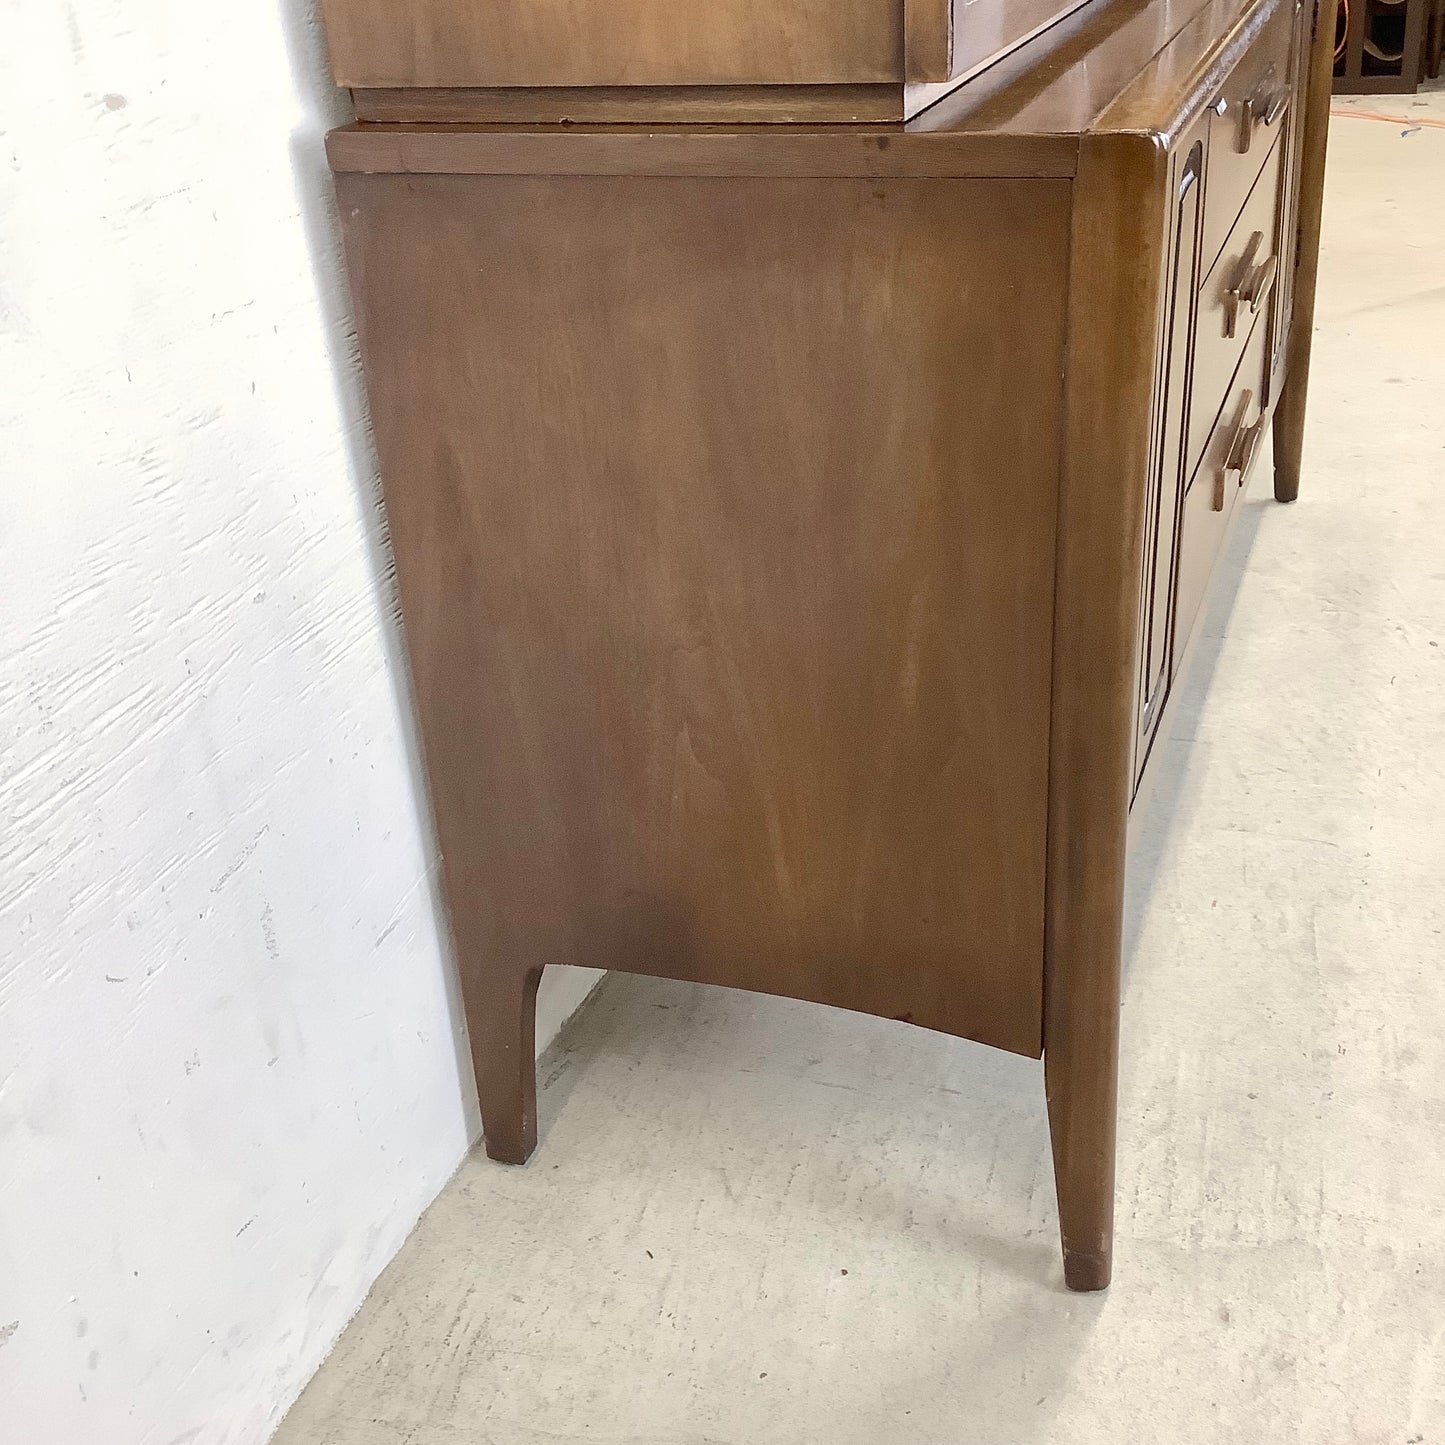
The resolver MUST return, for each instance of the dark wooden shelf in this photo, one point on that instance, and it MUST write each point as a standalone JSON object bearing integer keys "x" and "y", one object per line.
{"x": 1384, "y": 50}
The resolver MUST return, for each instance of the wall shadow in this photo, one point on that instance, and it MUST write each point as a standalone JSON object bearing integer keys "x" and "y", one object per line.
{"x": 1154, "y": 832}
{"x": 327, "y": 107}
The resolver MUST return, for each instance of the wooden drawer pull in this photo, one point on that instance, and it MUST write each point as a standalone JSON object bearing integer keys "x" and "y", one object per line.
{"x": 1253, "y": 287}
{"x": 1264, "y": 107}
{"x": 1240, "y": 454}
{"x": 1242, "y": 451}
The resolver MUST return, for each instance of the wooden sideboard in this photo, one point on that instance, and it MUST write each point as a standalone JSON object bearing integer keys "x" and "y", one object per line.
{"x": 800, "y": 527}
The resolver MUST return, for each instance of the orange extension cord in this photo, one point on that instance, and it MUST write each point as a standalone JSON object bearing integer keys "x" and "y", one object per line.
{"x": 1408, "y": 121}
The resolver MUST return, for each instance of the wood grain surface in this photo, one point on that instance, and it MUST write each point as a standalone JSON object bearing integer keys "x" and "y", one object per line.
{"x": 982, "y": 32}
{"x": 695, "y": 150}
{"x": 727, "y": 586}
{"x": 614, "y": 42}
{"x": 1289, "y": 418}
{"x": 928, "y": 40}
{"x": 1114, "y": 309}
{"x": 633, "y": 104}
{"x": 769, "y": 507}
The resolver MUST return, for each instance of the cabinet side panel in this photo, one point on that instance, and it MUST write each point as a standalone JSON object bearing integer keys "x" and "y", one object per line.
{"x": 946, "y": 41}
{"x": 724, "y": 519}
{"x": 613, "y": 42}
{"x": 982, "y": 32}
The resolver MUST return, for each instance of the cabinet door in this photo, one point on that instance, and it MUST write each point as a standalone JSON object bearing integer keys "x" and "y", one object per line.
{"x": 1161, "y": 516}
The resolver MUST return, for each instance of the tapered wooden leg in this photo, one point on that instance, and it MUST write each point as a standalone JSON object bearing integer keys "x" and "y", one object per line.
{"x": 503, "y": 1027}
{"x": 1081, "y": 1081}
{"x": 1289, "y": 416}
{"x": 1123, "y": 214}
{"x": 1289, "y": 435}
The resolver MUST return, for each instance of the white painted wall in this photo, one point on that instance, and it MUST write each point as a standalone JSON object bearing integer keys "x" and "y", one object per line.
{"x": 231, "y": 1067}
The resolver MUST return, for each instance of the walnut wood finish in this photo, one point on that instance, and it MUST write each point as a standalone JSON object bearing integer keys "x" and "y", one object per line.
{"x": 981, "y": 33}
{"x": 693, "y": 151}
{"x": 949, "y": 41}
{"x": 774, "y": 509}
{"x": 1289, "y": 417}
{"x": 653, "y": 105}
{"x": 1115, "y": 274}
{"x": 1167, "y": 474}
{"x": 1239, "y": 288}
{"x": 468, "y": 46}
{"x": 1246, "y": 119}
{"x": 928, "y": 30}
{"x": 1287, "y": 226}
{"x": 724, "y": 676}
{"x": 469, "y": 43}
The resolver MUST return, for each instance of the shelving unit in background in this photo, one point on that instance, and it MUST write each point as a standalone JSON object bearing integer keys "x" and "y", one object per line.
{"x": 1382, "y": 50}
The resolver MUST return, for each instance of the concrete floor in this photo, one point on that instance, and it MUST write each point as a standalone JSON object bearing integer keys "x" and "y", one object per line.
{"x": 762, "y": 1223}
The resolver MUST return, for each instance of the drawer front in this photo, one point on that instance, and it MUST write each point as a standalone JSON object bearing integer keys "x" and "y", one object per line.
{"x": 1245, "y": 121}
{"x": 1236, "y": 291}
{"x": 1218, "y": 482}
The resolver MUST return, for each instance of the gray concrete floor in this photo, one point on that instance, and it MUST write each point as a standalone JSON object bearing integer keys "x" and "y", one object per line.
{"x": 762, "y": 1223}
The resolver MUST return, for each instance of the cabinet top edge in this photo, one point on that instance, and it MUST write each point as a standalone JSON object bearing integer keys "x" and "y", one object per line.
{"x": 1120, "y": 68}
{"x": 1169, "y": 93}
{"x": 1120, "y": 71}
{"x": 694, "y": 150}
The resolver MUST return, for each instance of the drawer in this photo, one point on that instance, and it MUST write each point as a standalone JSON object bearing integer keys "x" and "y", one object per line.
{"x": 1235, "y": 292}
{"x": 1245, "y": 120}
{"x": 1216, "y": 485}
